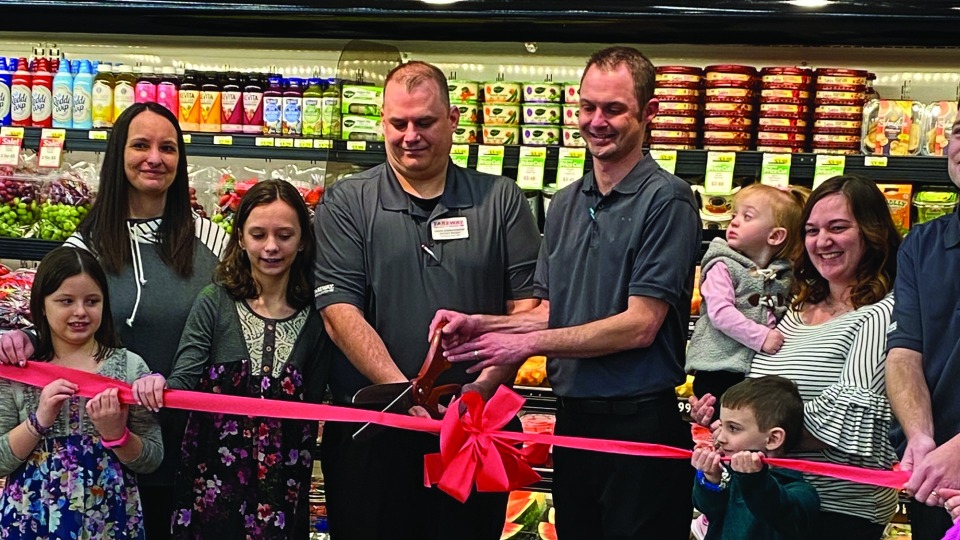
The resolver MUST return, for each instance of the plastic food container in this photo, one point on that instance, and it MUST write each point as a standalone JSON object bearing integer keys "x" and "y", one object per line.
{"x": 501, "y": 134}
{"x": 542, "y": 92}
{"x": 678, "y": 107}
{"x": 766, "y": 137}
{"x": 540, "y": 135}
{"x": 836, "y": 96}
{"x": 771, "y": 94}
{"x": 727, "y": 122}
{"x": 673, "y": 144}
{"x": 938, "y": 118}
{"x": 790, "y": 110}
{"x": 469, "y": 112}
{"x": 467, "y": 134}
{"x": 687, "y": 123}
{"x": 777, "y": 124}
{"x": 727, "y": 137}
{"x": 549, "y": 191}
{"x": 501, "y": 114}
{"x": 678, "y": 74}
{"x": 830, "y": 138}
{"x": 676, "y": 94}
{"x": 501, "y": 92}
{"x": 541, "y": 114}
{"x": 571, "y": 115}
{"x": 715, "y": 222}
{"x": 464, "y": 91}
{"x": 572, "y": 137}
{"x": 840, "y": 127}
{"x": 776, "y": 149}
{"x": 729, "y": 93}
{"x": 729, "y": 72}
{"x": 785, "y": 75}
{"x": 571, "y": 93}
{"x": 841, "y": 76}
{"x": 933, "y": 203}
{"x": 892, "y": 127}
{"x": 712, "y": 145}
{"x": 839, "y": 112}
{"x": 673, "y": 135}
{"x": 833, "y": 148}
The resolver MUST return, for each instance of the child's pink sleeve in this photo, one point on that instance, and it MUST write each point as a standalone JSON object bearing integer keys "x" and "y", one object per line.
{"x": 716, "y": 288}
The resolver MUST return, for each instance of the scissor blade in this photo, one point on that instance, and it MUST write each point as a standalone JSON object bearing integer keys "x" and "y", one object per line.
{"x": 380, "y": 394}
{"x": 398, "y": 405}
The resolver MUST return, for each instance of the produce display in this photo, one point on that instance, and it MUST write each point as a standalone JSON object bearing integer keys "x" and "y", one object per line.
{"x": 19, "y": 203}
{"x": 533, "y": 372}
{"x": 525, "y": 511}
{"x": 15, "y": 298}
{"x": 66, "y": 201}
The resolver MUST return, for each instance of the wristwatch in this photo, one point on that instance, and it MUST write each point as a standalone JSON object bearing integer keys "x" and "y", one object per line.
{"x": 710, "y": 486}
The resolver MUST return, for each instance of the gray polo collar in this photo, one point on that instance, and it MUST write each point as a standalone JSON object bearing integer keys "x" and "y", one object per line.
{"x": 456, "y": 192}
{"x": 631, "y": 183}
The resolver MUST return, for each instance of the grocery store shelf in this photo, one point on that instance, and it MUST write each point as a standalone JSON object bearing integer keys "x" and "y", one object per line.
{"x": 26, "y": 249}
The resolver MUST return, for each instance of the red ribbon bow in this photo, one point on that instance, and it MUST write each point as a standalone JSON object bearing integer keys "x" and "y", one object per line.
{"x": 472, "y": 452}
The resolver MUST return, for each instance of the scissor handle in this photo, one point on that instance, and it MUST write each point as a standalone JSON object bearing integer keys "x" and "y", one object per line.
{"x": 432, "y": 401}
{"x": 433, "y": 366}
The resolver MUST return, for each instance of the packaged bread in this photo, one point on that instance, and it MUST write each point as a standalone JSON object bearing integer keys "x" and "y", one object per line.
{"x": 892, "y": 127}
{"x": 938, "y": 118}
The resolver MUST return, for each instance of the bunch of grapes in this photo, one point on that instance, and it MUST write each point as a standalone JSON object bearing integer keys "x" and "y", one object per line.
{"x": 19, "y": 207}
{"x": 66, "y": 202}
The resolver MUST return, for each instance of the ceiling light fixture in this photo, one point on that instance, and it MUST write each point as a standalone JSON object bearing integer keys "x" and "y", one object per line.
{"x": 810, "y": 3}
{"x": 440, "y": 2}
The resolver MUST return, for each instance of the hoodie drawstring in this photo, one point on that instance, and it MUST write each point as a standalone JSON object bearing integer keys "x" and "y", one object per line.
{"x": 137, "y": 269}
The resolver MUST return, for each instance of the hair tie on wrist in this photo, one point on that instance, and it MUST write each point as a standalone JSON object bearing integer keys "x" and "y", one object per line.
{"x": 116, "y": 442}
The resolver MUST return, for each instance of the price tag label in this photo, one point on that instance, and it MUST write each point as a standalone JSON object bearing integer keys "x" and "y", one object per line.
{"x": 357, "y": 146}
{"x": 302, "y": 143}
{"x": 263, "y": 141}
{"x": 875, "y": 161}
{"x": 490, "y": 159}
{"x": 667, "y": 159}
{"x": 324, "y": 144}
{"x": 533, "y": 159}
{"x": 719, "y": 178}
{"x": 570, "y": 165}
{"x": 188, "y": 138}
{"x": 10, "y": 150}
{"x": 285, "y": 142}
{"x": 10, "y": 131}
{"x": 460, "y": 154}
{"x": 100, "y": 135}
{"x": 225, "y": 140}
{"x": 51, "y": 150}
{"x": 827, "y": 167}
{"x": 775, "y": 169}
{"x": 48, "y": 133}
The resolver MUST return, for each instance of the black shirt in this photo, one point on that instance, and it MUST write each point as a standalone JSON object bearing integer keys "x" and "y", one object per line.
{"x": 641, "y": 239}
{"x": 376, "y": 251}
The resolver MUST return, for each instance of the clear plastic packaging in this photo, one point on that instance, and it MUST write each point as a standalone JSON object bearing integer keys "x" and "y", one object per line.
{"x": 892, "y": 127}
{"x": 938, "y": 118}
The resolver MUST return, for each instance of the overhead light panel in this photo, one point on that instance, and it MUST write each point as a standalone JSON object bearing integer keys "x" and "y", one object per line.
{"x": 440, "y": 2}
{"x": 809, "y": 3}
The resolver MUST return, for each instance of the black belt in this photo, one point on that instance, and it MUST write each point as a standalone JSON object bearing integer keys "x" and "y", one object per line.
{"x": 615, "y": 406}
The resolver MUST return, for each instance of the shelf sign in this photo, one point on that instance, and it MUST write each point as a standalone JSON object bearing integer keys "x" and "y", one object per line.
{"x": 51, "y": 147}
{"x": 225, "y": 140}
{"x": 10, "y": 150}
{"x": 570, "y": 165}
{"x": 775, "y": 169}
{"x": 460, "y": 154}
{"x": 285, "y": 142}
{"x": 302, "y": 143}
{"x": 188, "y": 138}
{"x": 533, "y": 159}
{"x": 9, "y": 131}
{"x": 875, "y": 161}
{"x": 357, "y": 146}
{"x": 667, "y": 159}
{"x": 827, "y": 167}
{"x": 263, "y": 141}
{"x": 323, "y": 144}
{"x": 719, "y": 178}
{"x": 490, "y": 159}
{"x": 100, "y": 135}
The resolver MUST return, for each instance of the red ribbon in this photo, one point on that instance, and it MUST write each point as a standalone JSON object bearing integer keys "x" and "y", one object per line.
{"x": 473, "y": 450}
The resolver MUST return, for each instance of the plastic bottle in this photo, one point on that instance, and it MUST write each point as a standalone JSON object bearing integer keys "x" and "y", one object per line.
{"x": 189, "y": 102}
{"x": 83, "y": 97}
{"x": 292, "y": 108}
{"x": 168, "y": 90}
{"x": 210, "y": 103}
{"x": 231, "y": 103}
{"x": 63, "y": 97}
{"x": 330, "y": 111}
{"x": 102, "y": 96}
{"x": 312, "y": 104}
{"x": 273, "y": 106}
{"x": 21, "y": 101}
{"x": 146, "y": 87}
{"x": 41, "y": 95}
{"x": 124, "y": 91}
{"x": 253, "y": 104}
{"x": 6, "y": 80}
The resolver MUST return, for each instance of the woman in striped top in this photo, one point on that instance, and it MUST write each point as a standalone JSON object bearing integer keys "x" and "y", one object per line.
{"x": 835, "y": 349}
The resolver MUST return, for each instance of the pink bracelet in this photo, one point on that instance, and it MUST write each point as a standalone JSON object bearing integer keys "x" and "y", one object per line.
{"x": 116, "y": 442}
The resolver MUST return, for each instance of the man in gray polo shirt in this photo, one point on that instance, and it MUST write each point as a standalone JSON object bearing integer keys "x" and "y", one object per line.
{"x": 615, "y": 275}
{"x": 395, "y": 244}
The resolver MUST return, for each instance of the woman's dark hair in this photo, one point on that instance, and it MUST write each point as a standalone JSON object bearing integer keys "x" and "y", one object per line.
{"x": 105, "y": 228}
{"x": 234, "y": 272}
{"x": 55, "y": 268}
{"x": 878, "y": 265}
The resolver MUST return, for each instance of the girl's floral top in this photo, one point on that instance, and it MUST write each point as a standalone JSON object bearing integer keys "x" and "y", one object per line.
{"x": 71, "y": 486}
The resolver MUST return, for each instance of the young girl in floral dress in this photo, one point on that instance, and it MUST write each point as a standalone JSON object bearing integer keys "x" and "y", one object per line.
{"x": 70, "y": 462}
{"x": 253, "y": 334}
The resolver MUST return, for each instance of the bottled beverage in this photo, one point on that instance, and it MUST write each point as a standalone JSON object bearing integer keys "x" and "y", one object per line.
{"x": 253, "y": 104}
{"x": 146, "y": 88}
{"x": 292, "y": 108}
{"x": 210, "y": 103}
{"x": 63, "y": 97}
{"x": 83, "y": 97}
{"x": 21, "y": 99}
{"x": 190, "y": 102}
{"x": 273, "y": 106}
{"x": 168, "y": 90}
{"x": 41, "y": 95}
{"x": 231, "y": 103}
{"x": 330, "y": 111}
{"x": 124, "y": 91}
{"x": 6, "y": 80}
{"x": 102, "y": 96}
{"x": 312, "y": 98}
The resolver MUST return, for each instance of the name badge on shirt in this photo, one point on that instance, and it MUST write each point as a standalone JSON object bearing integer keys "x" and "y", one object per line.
{"x": 449, "y": 228}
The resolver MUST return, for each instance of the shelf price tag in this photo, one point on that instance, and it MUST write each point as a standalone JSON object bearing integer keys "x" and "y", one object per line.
{"x": 10, "y": 150}
{"x": 302, "y": 143}
{"x": 570, "y": 165}
{"x": 719, "y": 178}
{"x": 357, "y": 146}
{"x": 101, "y": 135}
{"x": 263, "y": 141}
{"x": 188, "y": 138}
{"x": 533, "y": 159}
{"x": 323, "y": 144}
{"x": 10, "y": 131}
{"x": 667, "y": 159}
{"x": 490, "y": 159}
{"x": 827, "y": 167}
{"x": 284, "y": 142}
{"x": 225, "y": 140}
{"x": 775, "y": 169}
{"x": 460, "y": 154}
{"x": 51, "y": 147}
{"x": 875, "y": 161}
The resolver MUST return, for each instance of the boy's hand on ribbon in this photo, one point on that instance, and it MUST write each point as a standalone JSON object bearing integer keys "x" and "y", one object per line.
{"x": 747, "y": 462}
{"x": 707, "y": 461}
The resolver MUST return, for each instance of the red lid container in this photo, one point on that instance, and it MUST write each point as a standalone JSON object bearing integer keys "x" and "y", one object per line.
{"x": 839, "y": 127}
{"x": 729, "y": 72}
{"x": 836, "y": 95}
{"x": 679, "y": 108}
{"x": 707, "y": 145}
{"x": 727, "y": 122}
{"x": 768, "y": 123}
{"x": 798, "y": 136}
{"x": 678, "y": 74}
{"x": 677, "y": 94}
{"x": 785, "y": 75}
{"x": 775, "y": 147}
{"x": 726, "y": 93}
{"x": 674, "y": 122}
{"x": 845, "y": 140}
{"x": 671, "y": 144}
{"x": 828, "y": 148}
{"x": 721, "y": 108}
{"x": 841, "y": 76}
{"x": 839, "y": 112}
{"x": 672, "y": 134}
{"x": 780, "y": 110}
{"x": 777, "y": 95}
{"x": 731, "y": 136}
{"x": 848, "y": 102}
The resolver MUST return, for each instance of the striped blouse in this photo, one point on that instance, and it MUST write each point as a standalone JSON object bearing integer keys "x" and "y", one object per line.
{"x": 839, "y": 367}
